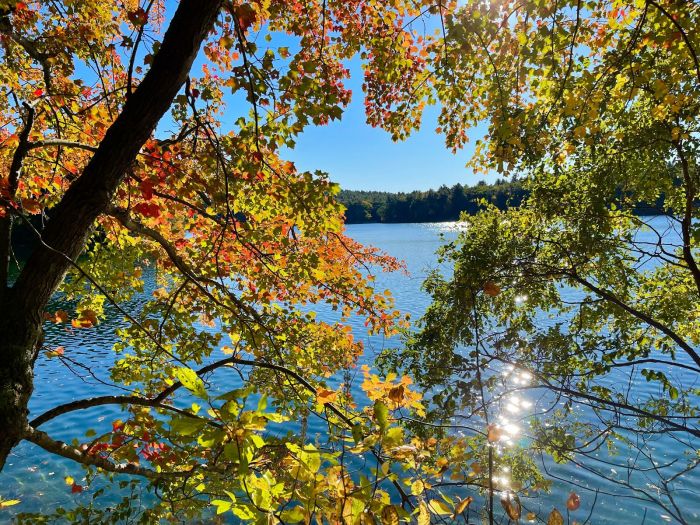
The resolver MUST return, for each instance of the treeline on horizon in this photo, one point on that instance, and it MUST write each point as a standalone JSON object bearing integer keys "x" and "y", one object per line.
{"x": 444, "y": 204}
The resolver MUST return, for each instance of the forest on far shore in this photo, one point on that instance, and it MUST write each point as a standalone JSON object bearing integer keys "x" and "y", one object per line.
{"x": 444, "y": 204}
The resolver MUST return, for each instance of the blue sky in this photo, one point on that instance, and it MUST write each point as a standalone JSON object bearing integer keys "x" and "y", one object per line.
{"x": 360, "y": 157}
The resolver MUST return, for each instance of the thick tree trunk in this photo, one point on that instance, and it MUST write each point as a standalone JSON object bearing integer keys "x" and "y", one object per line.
{"x": 20, "y": 338}
{"x": 64, "y": 238}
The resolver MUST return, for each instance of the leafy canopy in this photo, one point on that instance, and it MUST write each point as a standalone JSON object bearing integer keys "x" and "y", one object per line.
{"x": 594, "y": 105}
{"x": 243, "y": 247}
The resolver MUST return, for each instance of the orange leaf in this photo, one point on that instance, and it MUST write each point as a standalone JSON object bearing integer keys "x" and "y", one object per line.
{"x": 573, "y": 502}
{"x": 87, "y": 319}
{"x": 59, "y": 350}
{"x": 324, "y": 396}
{"x": 491, "y": 288}
{"x": 396, "y": 394}
{"x": 60, "y": 316}
{"x": 494, "y": 433}
{"x": 462, "y": 506}
{"x": 31, "y": 206}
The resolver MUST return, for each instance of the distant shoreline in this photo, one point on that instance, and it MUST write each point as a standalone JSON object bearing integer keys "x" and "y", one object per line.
{"x": 457, "y": 220}
{"x": 444, "y": 204}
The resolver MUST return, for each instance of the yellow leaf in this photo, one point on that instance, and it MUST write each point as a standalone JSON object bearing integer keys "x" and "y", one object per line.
{"x": 555, "y": 518}
{"x": 423, "y": 514}
{"x": 390, "y": 515}
{"x": 462, "y": 506}
{"x": 580, "y": 132}
{"x": 69, "y": 480}
{"x": 440, "y": 507}
{"x": 417, "y": 487}
{"x": 9, "y": 503}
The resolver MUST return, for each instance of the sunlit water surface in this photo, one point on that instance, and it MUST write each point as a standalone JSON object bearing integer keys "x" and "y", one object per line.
{"x": 37, "y": 478}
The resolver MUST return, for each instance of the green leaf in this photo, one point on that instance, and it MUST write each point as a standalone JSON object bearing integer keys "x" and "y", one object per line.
{"x": 191, "y": 381}
{"x": 294, "y": 515}
{"x": 186, "y": 426}
{"x": 381, "y": 415}
{"x": 394, "y": 437}
{"x": 357, "y": 433}
{"x": 221, "y": 505}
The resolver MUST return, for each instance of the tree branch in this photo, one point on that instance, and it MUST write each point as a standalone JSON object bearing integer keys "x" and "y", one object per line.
{"x": 638, "y": 314}
{"x": 60, "y": 448}
{"x": 157, "y": 401}
{"x": 687, "y": 220}
{"x": 13, "y": 182}
{"x": 59, "y": 143}
{"x": 683, "y": 33}
{"x": 90, "y": 195}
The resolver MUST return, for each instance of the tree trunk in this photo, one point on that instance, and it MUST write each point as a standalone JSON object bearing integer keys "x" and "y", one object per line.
{"x": 22, "y": 307}
{"x": 20, "y": 339}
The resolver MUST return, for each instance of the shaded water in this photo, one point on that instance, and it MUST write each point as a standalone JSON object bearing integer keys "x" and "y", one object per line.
{"x": 36, "y": 477}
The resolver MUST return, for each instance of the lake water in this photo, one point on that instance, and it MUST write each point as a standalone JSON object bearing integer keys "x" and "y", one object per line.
{"x": 36, "y": 477}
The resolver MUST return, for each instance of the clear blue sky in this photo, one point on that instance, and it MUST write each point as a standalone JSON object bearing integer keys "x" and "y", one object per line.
{"x": 360, "y": 157}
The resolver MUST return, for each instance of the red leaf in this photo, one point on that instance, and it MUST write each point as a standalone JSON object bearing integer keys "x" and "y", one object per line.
{"x": 246, "y": 16}
{"x": 147, "y": 209}
{"x": 138, "y": 17}
{"x": 147, "y": 189}
{"x": 38, "y": 92}
{"x": 573, "y": 502}
{"x": 75, "y": 488}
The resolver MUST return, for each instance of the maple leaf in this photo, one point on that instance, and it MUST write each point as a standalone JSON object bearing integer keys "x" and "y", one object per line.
{"x": 246, "y": 16}
{"x": 146, "y": 189}
{"x": 58, "y": 351}
{"x": 396, "y": 394}
{"x": 324, "y": 396}
{"x": 147, "y": 209}
{"x": 86, "y": 319}
{"x": 31, "y": 206}
{"x": 138, "y": 17}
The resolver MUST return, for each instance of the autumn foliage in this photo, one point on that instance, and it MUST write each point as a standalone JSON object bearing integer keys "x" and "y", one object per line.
{"x": 142, "y": 142}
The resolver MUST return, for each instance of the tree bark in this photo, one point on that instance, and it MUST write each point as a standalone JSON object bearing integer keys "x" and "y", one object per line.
{"x": 20, "y": 338}
{"x": 89, "y": 196}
